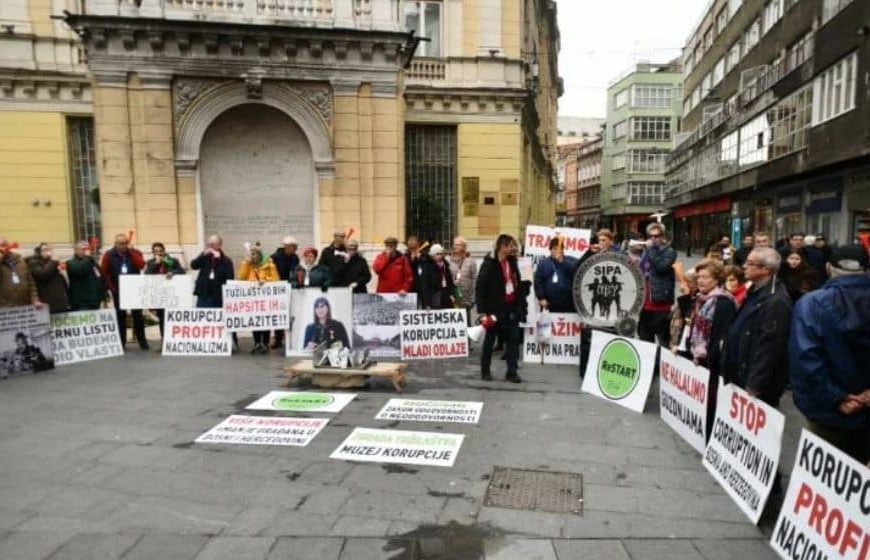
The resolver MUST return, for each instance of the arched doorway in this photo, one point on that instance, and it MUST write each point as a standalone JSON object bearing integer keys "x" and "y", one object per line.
{"x": 257, "y": 179}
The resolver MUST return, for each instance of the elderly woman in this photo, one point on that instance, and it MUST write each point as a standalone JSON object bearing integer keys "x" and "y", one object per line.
{"x": 463, "y": 270}
{"x": 259, "y": 268}
{"x": 681, "y": 314}
{"x": 713, "y": 313}
{"x": 356, "y": 270}
{"x": 309, "y": 274}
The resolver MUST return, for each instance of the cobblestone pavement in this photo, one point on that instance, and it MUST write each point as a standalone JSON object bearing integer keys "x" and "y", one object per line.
{"x": 98, "y": 462}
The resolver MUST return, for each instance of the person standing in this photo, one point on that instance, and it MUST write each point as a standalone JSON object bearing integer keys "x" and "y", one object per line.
{"x": 334, "y": 258}
{"x": 393, "y": 269}
{"x": 499, "y": 295}
{"x": 286, "y": 261}
{"x": 120, "y": 260}
{"x": 798, "y": 276}
{"x": 419, "y": 260}
{"x": 161, "y": 263}
{"x": 50, "y": 283}
{"x": 657, "y": 266}
{"x": 744, "y": 250}
{"x": 258, "y": 268}
{"x": 713, "y": 312}
{"x": 17, "y": 287}
{"x": 357, "y": 270}
{"x": 727, "y": 249}
{"x": 828, "y": 350}
{"x": 735, "y": 283}
{"x": 794, "y": 243}
{"x": 463, "y": 269}
{"x": 214, "y": 268}
{"x": 818, "y": 253}
{"x": 309, "y": 274}
{"x": 440, "y": 281}
{"x": 681, "y": 315}
{"x": 87, "y": 289}
{"x": 761, "y": 241}
{"x": 554, "y": 280}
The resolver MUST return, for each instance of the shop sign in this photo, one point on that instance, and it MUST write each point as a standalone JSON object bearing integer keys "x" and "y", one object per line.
{"x": 789, "y": 202}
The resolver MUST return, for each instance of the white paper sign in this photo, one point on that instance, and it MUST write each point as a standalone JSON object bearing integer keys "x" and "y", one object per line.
{"x": 620, "y": 369}
{"x": 25, "y": 340}
{"x": 826, "y": 512}
{"x": 81, "y": 336}
{"x": 393, "y": 446}
{"x": 563, "y": 346}
{"x": 576, "y": 241}
{"x": 249, "y": 306}
{"x": 155, "y": 291}
{"x": 683, "y": 397}
{"x": 196, "y": 332}
{"x": 743, "y": 451}
{"x": 408, "y": 410}
{"x": 264, "y": 430}
{"x": 302, "y": 401}
{"x": 434, "y": 335}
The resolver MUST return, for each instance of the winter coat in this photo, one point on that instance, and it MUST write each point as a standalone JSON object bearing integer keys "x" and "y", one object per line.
{"x": 724, "y": 311}
{"x": 464, "y": 272}
{"x": 818, "y": 259}
{"x": 336, "y": 265}
{"x": 741, "y": 254}
{"x": 318, "y": 277}
{"x": 798, "y": 281}
{"x": 357, "y": 271}
{"x": 421, "y": 279}
{"x": 828, "y": 351}
{"x": 13, "y": 294}
{"x": 490, "y": 290}
{"x": 439, "y": 282}
{"x": 755, "y": 354}
{"x": 554, "y": 282}
{"x": 169, "y": 265}
{"x": 394, "y": 273}
{"x": 87, "y": 289}
{"x": 265, "y": 271}
{"x": 212, "y": 274}
{"x": 657, "y": 264}
{"x": 286, "y": 264}
{"x": 50, "y": 283}
{"x": 112, "y": 266}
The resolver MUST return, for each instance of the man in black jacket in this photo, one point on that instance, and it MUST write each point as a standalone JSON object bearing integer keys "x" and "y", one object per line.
{"x": 214, "y": 269}
{"x": 500, "y": 295}
{"x": 335, "y": 258}
{"x": 286, "y": 260}
{"x": 742, "y": 253}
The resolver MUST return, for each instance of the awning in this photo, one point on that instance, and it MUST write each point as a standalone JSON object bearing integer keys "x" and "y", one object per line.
{"x": 707, "y": 207}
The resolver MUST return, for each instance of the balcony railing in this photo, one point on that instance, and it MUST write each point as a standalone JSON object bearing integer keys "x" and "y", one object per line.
{"x": 428, "y": 69}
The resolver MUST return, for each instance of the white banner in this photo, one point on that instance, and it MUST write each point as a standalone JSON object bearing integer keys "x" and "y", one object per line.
{"x": 320, "y": 317}
{"x": 537, "y": 246}
{"x": 25, "y": 340}
{"x": 393, "y": 446}
{"x": 743, "y": 451}
{"x": 249, "y": 306}
{"x": 155, "y": 291}
{"x": 620, "y": 369}
{"x": 826, "y": 512}
{"x": 81, "y": 336}
{"x": 376, "y": 322}
{"x": 409, "y": 410}
{"x": 683, "y": 397}
{"x": 196, "y": 332}
{"x": 264, "y": 430}
{"x": 301, "y": 401}
{"x": 434, "y": 335}
{"x": 563, "y": 345}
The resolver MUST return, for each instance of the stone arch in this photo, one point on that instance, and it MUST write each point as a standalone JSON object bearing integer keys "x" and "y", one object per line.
{"x": 217, "y": 101}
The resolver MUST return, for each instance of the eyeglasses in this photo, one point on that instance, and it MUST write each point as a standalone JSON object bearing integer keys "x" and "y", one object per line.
{"x": 753, "y": 263}
{"x": 655, "y": 235}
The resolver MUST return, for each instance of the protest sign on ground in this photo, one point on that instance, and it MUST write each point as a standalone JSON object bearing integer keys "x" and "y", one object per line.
{"x": 743, "y": 451}
{"x": 393, "y": 446}
{"x": 155, "y": 291}
{"x": 264, "y": 430}
{"x": 196, "y": 332}
{"x": 81, "y": 336}
{"x": 436, "y": 334}
{"x": 683, "y": 397}
{"x": 410, "y": 410}
{"x": 376, "y": 322}
{"x": 620, "y": 369}
{"x": 25, "y": 341}
{"x": 319, "y": 317}
{"x": 537, "y": 245}
{"x": 301, "y": 401}
{"x": 826, "y": 512}
{"x": 250, "y": 306}
{"x": 562, "y": 347}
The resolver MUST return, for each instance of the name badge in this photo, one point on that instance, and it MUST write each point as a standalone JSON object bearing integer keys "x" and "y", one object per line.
{"x": 443, "y": 282}
{"x": 15, "y": 278}
{"x": 458, "y": 276}
{"x": 419, "y": 271}
{"x": 307, "y": 281}
{"x": 211, "y": 275}
{"x": 555, "y": 277}
{"x": 123, "y": 269}
{"x": 97, "y": 272}
{"x": 509, "y": 287}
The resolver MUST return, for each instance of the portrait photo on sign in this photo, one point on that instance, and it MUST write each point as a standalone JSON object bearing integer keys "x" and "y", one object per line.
{"x": 25, "y": 341}
{"x": 319, "y": 317}
{"x": 376, "y": 322}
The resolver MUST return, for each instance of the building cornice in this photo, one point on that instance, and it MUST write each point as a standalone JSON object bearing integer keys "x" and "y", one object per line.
{"x": 45, "y": 91}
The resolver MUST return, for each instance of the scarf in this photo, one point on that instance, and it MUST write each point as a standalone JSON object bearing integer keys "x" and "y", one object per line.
{"x": 702, "y": 321}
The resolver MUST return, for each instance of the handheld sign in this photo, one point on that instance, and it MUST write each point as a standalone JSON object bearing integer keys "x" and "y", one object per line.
{"x": 81, "y": 336}
{"x": 620, "y": 370}
{"x": 437, "y": 334}
{"x": 562, "y": 346}
{"x": 196, "y": 332}
{"x": 575, "y": 242}
{"x": 743, "y": 451}
{"x": 683, "y": 398}
{"x": 609, "y": 292}
{"x": 155, "y": 291}
{"x": 249, "y": 306}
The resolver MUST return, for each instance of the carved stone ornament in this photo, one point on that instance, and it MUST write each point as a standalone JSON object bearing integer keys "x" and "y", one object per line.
{"x": 319, "y": 96}
{"x": 186, "y": 92}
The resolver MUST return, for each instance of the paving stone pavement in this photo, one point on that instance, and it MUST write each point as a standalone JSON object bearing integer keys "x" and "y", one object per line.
{"x": 98, "y": 461}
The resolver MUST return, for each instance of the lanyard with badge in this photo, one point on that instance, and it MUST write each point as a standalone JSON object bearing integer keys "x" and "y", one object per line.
{"x": 15, "y": 278}
{"x": 509, "y": 282}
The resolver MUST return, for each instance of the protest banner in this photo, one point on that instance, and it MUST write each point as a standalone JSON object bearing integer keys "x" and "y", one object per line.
{"x": 393, "y": 446}
{"x": 563, "y": 345}
{"x": 250, "y": 306}
{"x": 155, "y": 291}
{"x": 743, "y": 451}
{"x": 826, "y": 512}
{"x": 438, "y": 334}
{"x": 81, "y": 336}
{"x": 376, "y": 322}
{"x": 319, "y": 317}
{"x": 196, "y": 332}
{"x": 683, "y": 398}
{"x": 537, "y": 245}
{"x": 620, "y": 370}
{"x": 301, "y": 401}
{"x": 264, "y": 430}
{"x": 25, "y": 340}
{"x": 609, "y": 292}
{"x": 409, "y": 410}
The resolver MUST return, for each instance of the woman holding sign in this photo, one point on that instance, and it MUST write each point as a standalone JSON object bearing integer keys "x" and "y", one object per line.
{"x": 324, "y": 328}
{"x": 259, "y": 268}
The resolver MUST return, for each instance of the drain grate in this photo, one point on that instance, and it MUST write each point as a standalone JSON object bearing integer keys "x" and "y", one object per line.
{"x": 533, "y": 490}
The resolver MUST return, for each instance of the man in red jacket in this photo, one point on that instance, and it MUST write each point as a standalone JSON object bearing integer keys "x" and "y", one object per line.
{"x": 123, "y": 259}
{"x": 393, "y": 270}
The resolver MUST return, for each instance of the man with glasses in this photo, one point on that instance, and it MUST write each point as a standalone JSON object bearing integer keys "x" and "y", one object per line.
{"x": 657, "y": 267}
{"x": 118, "y": 261}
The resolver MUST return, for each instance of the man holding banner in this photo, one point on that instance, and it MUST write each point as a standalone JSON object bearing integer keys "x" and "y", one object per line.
{"x": 554, "y": 280}
{"x": 117, "y": 261}
{"x": 161, "y": 263}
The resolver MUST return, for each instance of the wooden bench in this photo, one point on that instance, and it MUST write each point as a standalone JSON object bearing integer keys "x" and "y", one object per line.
{"x": 347, "y": 378}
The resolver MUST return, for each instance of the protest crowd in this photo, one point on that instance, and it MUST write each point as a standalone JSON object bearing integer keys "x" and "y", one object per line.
{"x": 763, "y": 318}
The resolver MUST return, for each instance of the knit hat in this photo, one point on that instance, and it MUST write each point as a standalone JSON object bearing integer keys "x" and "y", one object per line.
{"x": 851, "y": 258}
{"x": 436, "y": 249}
{"x": 289, "y": 240}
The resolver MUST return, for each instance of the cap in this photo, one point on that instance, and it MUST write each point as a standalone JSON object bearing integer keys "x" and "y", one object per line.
{"x": 309, "y": 251}
{"x": 289, "y": 240}
{"x": 391, "y": 241}
{"x": 852, "y": 258}
{"x": 436, "y": 249}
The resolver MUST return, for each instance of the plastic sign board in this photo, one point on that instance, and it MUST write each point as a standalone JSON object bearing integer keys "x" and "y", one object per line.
{"x": 408, "y": 410}
{"x": 250, "y": 306}
{"x": 684, "y": 397}
{"x": 301, "y": 401}
{"x": 562, "y": 346}
{"x": 196, "y": 332}
{"x": 81, "y": 336}
{"x": 620, "y": 370}
{"x": 608, "y": 290}
{"x": 393, "y": 446}
{"x": 434, "y": 335}
{"x": 264, "y": 430}
{"x": 537, "y": 243}
{"x": 155, "y": 291}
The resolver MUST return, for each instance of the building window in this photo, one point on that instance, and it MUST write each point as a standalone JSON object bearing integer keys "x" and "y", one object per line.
{"x": 652, "y": 97}
{"x": 696, "y": 97}
{"x": 772, "y": 14}
{"x": 733, "y": 56}
{"x": 719, "y": 71}
{"x": 430, "y": 182}
{"x": 834, "y": 90}
{"x": 831, "y": 8}
{"x": 646, "y": 193}
{"x": 620, "y": 99}
{"x": 754, "y": 139}
{"x": 83, "y": 171}
{"x": 619, "y": 161}
{"x": 751, "y": 36}
{"x": 706, "y": 85}
{"x": 789, "y": 120}
{"x": 620, "y": 129}
{"x": 722, "y": 20}
{"x": 800, "y": 52}
{"x": 729, "y": 149}
{"x": 651, "y": 128}
{"x": 424, "y": 18}
{"x": 734, "y": 5}
{"x": 708, "y": 39}
{"x": 648, "y": 161}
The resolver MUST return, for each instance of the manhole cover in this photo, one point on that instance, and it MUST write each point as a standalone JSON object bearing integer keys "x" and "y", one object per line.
{"x": 531, "y": 490}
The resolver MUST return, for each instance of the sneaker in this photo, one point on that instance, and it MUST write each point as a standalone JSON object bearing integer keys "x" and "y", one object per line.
{"x": 513, "y": 378}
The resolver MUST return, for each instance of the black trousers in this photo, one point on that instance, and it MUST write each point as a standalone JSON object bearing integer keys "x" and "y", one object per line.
{"x": 161, "y": 319}
{"x": 655, "y": 324}
{"x": 507, "y": 329}
{"x": 261, "y": 337}
{"x": 138, "y": 325}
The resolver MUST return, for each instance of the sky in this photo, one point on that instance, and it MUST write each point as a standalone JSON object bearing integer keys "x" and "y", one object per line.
{"x": 603, "y": 38}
